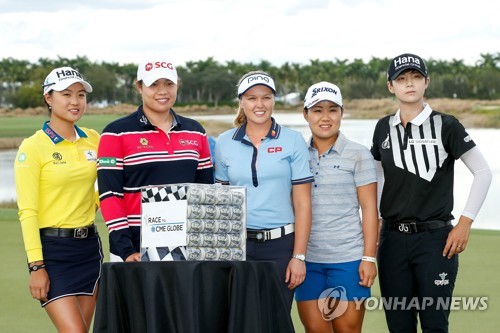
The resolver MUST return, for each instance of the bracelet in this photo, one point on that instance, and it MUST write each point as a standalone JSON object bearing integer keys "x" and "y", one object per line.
{"x": 370, "y": 259}
{"x": 35, "y": 268}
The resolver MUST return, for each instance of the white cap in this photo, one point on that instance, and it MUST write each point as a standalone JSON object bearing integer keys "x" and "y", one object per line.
{"x": 151, "y": 70}
{"x": 61, "y": 78}
{"x": 253, "y": 80}
{"x": 322, "y": 91}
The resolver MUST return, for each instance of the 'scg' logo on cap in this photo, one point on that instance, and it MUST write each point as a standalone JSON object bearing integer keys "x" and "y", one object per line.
{"x": 158, "y": 64}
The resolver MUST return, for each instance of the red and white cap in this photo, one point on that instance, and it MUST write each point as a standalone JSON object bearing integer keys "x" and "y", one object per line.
{"x": 153, "y": 69}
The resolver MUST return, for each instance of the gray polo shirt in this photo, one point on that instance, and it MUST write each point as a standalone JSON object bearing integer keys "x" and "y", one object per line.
{"x": 336, "y": 234}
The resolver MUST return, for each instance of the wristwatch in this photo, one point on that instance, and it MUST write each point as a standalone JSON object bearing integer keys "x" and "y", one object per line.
{"x": 301, "y": 257}
{"x": 35, "y": 268}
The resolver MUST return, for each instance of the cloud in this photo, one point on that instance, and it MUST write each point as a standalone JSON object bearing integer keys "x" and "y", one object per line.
{"x": 9, "y": 6}
{"x": 277, "y": 31}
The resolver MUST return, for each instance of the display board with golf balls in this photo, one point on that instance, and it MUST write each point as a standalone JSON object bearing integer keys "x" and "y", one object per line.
{"x": 193, "y": 222}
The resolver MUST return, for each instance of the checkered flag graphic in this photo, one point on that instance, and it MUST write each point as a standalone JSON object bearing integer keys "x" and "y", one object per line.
{"x": 167, "y": 193}
{"x": 163, "y": 253}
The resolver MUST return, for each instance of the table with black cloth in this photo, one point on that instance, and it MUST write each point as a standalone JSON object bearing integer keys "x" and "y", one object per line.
{"x": 191, "y": 297}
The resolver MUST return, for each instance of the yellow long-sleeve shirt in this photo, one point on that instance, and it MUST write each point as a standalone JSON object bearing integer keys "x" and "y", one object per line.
{"x": 55, "y": 184}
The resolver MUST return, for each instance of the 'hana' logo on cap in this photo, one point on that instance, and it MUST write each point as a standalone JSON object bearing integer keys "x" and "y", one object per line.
{"x": 68, "y": 73}
{"x": 406, "y": 60}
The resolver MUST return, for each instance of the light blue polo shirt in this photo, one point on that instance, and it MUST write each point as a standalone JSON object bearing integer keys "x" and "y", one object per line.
{"x": 268, "y": 173}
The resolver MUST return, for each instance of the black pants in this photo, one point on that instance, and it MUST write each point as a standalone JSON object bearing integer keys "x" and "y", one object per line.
{"x": 415, "y": 278}
{"x": 278, "y": 250}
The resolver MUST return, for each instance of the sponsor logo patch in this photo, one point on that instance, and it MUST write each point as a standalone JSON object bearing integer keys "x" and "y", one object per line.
{"x": 184, "y": 142}
{"x": 387, "y": 142}
{"x": 423, "y": 141}
{"x": 107, "y": 161}
{"x": 442, "y": 282}
{"x": 58, "y": 158}
{"x": 90, "y": 155}
{"x": 22, "y": 158}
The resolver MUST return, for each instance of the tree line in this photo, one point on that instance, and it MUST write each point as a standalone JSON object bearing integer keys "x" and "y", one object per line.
{"x": 212, "y": 83}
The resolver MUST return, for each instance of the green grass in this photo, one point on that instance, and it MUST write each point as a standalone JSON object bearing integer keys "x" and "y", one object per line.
{"x": 22, "y": 127}
{"x": 478, "y": 276}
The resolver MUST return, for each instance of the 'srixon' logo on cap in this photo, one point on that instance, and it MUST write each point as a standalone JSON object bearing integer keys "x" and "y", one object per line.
{"x": 323, "y": 89}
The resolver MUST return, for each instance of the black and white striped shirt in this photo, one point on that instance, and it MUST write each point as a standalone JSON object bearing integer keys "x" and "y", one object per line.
{"x": 418, "y": 162}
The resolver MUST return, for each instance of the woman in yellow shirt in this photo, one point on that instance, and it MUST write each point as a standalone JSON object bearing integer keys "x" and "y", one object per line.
{"x": 55, "y": 171}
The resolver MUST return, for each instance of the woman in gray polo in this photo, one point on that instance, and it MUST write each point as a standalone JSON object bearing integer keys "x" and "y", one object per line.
{"x": 342, "y": 246}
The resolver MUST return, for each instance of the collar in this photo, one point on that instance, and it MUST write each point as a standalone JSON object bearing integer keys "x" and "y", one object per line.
{"x": 274, "y": 131}
{"x": 339, "y": 145}
{"x": 418, "y": 120}
{"x": 56, "y": 138}
{"x": 144, "y": 121}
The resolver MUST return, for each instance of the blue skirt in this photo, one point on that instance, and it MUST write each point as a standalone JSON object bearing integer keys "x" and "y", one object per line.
{"x": 73, "y": 265}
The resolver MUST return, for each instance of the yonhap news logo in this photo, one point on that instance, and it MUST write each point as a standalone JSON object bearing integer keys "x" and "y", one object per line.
{"x": 454, "y": 303}
{"x": 333, "y": 302}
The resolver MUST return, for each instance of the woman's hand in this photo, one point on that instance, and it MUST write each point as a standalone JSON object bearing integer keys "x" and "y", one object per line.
{"x": 39, "y": 284}
{"x": 295, "y": 273}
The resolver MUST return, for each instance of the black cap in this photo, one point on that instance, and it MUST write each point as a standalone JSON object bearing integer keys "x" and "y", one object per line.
{"x": 403, "y": 62}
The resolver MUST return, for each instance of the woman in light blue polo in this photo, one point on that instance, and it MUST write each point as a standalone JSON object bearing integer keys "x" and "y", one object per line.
{"x": 273, "y": 163}
{"x": 342, "y": 246}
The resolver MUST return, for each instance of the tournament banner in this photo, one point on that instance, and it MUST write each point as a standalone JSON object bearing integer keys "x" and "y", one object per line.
{"x": 193, "y": 222}
{"x": 160, "y": 229}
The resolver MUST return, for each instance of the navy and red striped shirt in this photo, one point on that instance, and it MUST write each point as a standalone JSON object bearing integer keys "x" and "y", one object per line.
{"x": 133, "y": 153}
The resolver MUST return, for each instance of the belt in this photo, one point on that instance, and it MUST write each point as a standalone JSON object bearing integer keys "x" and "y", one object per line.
{"x": 411, "y": 227}
{"x": 262, "y": 235}
{"x": 84, "y": 232}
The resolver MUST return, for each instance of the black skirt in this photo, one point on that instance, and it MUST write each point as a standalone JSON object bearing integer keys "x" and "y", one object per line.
{"x": 73, "y": 265}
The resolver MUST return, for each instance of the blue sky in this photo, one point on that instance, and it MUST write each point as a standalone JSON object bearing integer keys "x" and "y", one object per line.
{"x": 278, "y": 31}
